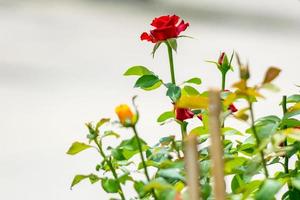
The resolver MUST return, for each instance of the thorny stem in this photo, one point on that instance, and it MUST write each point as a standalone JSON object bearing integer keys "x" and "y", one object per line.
{"x": 142, "y": 157}
{"x": 112, "y": 169}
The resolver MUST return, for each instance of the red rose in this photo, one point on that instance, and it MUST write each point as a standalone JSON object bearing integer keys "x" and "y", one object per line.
{"x": 165, "y": 27}
{"x": 183, "y": 114}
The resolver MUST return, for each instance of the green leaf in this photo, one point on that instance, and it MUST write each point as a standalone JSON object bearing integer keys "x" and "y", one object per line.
{"x": 296, "y": 182}
{"x": 137, "y": 71}
{"x": 146, "y": 81}
{"x": 139, "y": 188}
{"x": 125, "y": 177}
{"x": 93, "y": 178}
{"x": 172, "y": 43}
{"x": 110, "y": 133}
{"x": 172, "y": 173}
{"x": 167, "y": 140}
{"x": 101, "y": 122}
{"x": 158, "y": 184}
{"x": 293, "y": 99}
{"x": 155, "y": 86}
{"x": 78, "y": 178}
{"x": 200, "y": 130}
{"x": 230, "y": 131}
{"x": 234, "y": 165}
{"x": 266, "y": 126}
{"x": 236, "y": 183}
{"x": 174, "y": 92}
{"x": 189, "y": 90}
{"x": 110, "y": 185}
{"x": 168, "y": 194}
{"x": 291, "y": 114}
{"x": 127, "y": 149}
{"x": 268, "y": 190}
{"x": 77, "y": 147}
{"x": 289, "y": 123}
{"x": 194, "y": 80}
{"x": 156, "y": 46}
{"x": 165, "y": 116}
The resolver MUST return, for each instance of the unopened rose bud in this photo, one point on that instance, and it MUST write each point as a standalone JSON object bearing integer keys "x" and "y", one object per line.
{"x": 126, "y": 116}
{"x": 244, "y": 73}
{"x": 221, "y": 58}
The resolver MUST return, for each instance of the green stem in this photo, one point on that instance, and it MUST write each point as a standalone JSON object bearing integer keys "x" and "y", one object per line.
{"x": 257, "y": 139}
{"x": 112, "y": 169}
{"x": 183, "y": 126}
{"x": 286, "y": 158}
{"x": 170, "y": 54}
{"x": 223, "y": 81}
{"x": 142, "y": 157}
{"x": 223, "y": 88}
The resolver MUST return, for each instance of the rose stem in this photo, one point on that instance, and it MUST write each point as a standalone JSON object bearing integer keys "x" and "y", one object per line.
{"x": 142, "y": 157}
{"x": 262, "y": 155}
{"x": 121, "y": 193}
{"x": 170, "y": 53}
{"x": 286, "y": 158}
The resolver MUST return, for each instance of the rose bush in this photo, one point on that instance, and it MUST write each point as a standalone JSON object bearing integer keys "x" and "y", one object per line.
{"x": 248, "y": 155}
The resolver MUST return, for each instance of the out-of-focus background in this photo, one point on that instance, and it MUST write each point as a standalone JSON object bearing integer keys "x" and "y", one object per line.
{"x": 61, "y": 65}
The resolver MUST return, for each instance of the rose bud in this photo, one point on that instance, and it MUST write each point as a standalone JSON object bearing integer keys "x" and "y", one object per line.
{"x": 221, "y": 58}
{"x": 165, "y": 27}
{"x": 126, "y": 116}
{"x": 183, "y": 114}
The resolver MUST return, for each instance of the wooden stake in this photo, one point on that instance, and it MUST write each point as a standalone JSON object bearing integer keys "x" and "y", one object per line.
{"x": 216, "y": 147}
{"x": 192, "y": 167}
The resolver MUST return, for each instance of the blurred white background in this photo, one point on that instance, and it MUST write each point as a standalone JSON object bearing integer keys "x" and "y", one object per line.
{"x": 61, "y": 65}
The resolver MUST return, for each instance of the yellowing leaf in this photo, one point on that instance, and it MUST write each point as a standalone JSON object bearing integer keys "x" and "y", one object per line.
{"x": 295, "y": 107}
{"x": 271, "y": 74}
{"x": 242, "y": 115}
{"x": 193, "y": 102}
{"x": 253, "y": 92}
{"x": 241, "y": 85}
{"x": 230, "y": 99}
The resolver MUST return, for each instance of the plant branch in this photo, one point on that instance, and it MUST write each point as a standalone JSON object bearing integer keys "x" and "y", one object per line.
{"x": 261, "y": 152}
{"x": 142, "y": 157}
{"x": 286, "y": 158}
{"x": 112, "y": 169}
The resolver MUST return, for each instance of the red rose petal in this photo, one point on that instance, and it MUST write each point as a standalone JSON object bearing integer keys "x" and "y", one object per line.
{"x": 160, "y": 21}
{"x": 232, "y": 108}
{"x": 165, "y": 33}
{"x": 182, "y": 27}
{"x": 146, "y": 36}
{"x": 183, "y": 114}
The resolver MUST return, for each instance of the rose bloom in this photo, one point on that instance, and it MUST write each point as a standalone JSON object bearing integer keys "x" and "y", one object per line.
{"x": 183, "y": 114}
{"x": 125, "y": 114}
{"x": 165, "y": 27}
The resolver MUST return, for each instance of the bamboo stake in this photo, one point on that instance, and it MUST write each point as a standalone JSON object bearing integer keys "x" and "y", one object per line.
{"x": 192, "y": 167}
{"x": 216, "y": 147}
